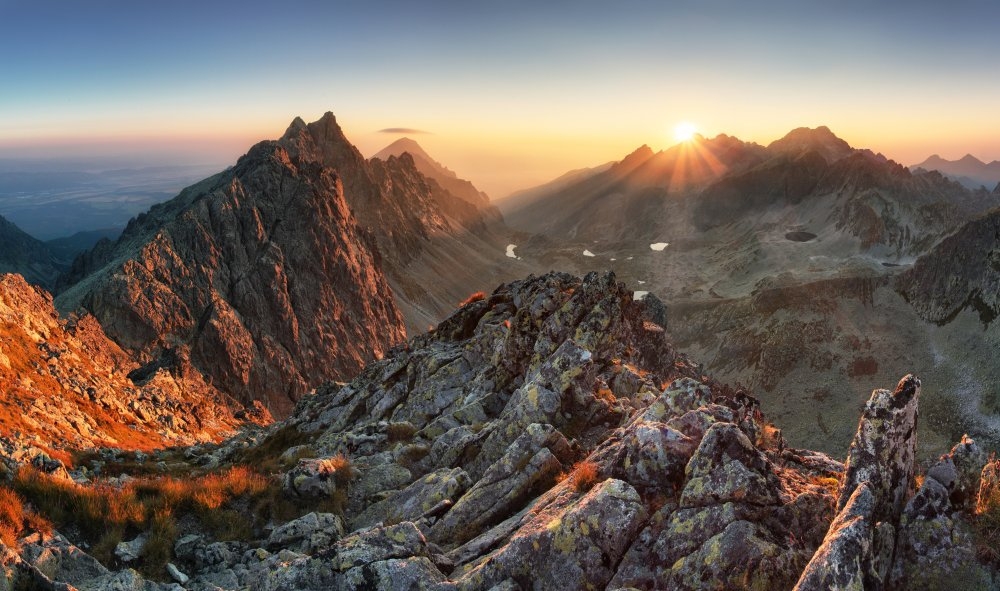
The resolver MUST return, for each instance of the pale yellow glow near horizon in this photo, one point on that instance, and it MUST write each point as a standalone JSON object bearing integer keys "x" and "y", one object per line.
{"x": 498, "y": 156}
{"x": 684, "y": 131}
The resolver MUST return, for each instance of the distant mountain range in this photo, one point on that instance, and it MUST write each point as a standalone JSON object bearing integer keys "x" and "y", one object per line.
{"x": 432, "y": 169}
{"x": 236, "y": 270}
{"x": 722, "y": 182}
{"x": 968, "y": 170}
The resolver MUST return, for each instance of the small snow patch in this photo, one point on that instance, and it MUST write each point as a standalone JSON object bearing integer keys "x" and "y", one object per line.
{"x": 658, "y": 246}
{"x": 641, "y": 282}
{"x": 629, "y": 259}
{"x": 638, "y": 295}
{"x": 587, "y": 253}
{"x": 510, "y": 251}
{"x": 614, "y": 259}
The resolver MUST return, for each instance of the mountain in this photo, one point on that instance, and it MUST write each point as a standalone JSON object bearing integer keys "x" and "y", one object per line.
{"x": 961, "y": 273}
{"x": 810, "y": 180}
{"x": 546, "y": 436}
{"x": 434, "y": 170}
{"x": 23, "y": 254}
{"x": 300, "y": 262}
{"x": 68, "y": 247}
{"x": 778, "y": 271}
{"x": 261, "y": 273}
{"x": 968, "y": 170}
{"x": 68, "y": 387}
{"x": 631, "y": 197}
{"x": 821, "y": 140}
{"x": 519, "y": 199}
{"x": 436, "y": 248}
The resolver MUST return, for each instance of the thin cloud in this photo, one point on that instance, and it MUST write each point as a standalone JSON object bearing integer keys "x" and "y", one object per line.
{"x": 403, "y": 130}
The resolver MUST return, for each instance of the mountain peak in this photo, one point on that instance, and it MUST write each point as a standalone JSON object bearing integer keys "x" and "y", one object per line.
{"x": 24, "y": 254}
{"x": 640, "y": 154}
{"x": 296, "y": 126}
{"x": 432, "y": 169}
{"x": 968, "y": 170}
{"x": 819, "y": 139}
{"x": 410, "y": 146}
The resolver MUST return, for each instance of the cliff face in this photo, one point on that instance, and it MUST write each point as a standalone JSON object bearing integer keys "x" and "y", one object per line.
{"x": 963, "y": 271}
{"x": 261, "y": 273}
{"x": 67, "y": 386}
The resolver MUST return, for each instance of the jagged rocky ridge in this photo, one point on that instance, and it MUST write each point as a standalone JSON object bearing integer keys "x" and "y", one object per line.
{"x": 260, "y": 273}
{"x": 548, "y": 436}
{"x": 433, "y": 169}
{"x": 810, "y": 179}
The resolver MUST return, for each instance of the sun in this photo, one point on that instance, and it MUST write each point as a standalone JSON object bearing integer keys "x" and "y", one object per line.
{"x": 684, "y": 131}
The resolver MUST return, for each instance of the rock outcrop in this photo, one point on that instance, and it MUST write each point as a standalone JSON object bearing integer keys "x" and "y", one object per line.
{"x": 548, "y": 436}
{"x": 884, "y": 535}
{"x": 67, "y": 386}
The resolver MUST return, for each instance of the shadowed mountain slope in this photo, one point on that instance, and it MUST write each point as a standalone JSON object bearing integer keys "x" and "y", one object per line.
{"x": 26, "y": 256}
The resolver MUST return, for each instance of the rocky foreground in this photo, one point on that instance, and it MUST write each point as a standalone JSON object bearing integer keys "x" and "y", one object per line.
{"x": 548, "y": 436}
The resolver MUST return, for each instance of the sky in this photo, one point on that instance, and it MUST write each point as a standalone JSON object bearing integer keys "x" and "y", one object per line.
{"x": 508, "y": 94}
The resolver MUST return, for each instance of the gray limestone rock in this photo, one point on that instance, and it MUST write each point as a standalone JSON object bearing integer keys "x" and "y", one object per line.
{"x": 727, "y": 467}
{"x": 310, "y": 533}
{"x": 567, "y": 549}
{"x": 440, "y": 486}
{"x": 529, "y": 465}
{"x": 883, "y": 450}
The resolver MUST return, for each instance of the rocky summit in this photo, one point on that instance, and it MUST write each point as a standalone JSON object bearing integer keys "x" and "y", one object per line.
{"x": 544, "y": 436}
{"x": 261, "y": 274}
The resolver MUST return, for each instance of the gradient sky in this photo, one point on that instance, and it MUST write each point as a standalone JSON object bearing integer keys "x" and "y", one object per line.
{"x": 513, "y": 93}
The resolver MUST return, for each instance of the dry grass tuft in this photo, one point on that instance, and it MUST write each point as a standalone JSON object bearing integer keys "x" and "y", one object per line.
{"x": 987, "y": 519}
{"x": 11, "y": 517}
{"x": 606, "y": 395}
{"x": 105, "y": 514}
{"x": 477, "y": 296}
{"x": 341, "y": 468}
{"x": 584, "y": 476}
{"x": 93, "y": 508}
{"x": 770, "y": 438}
